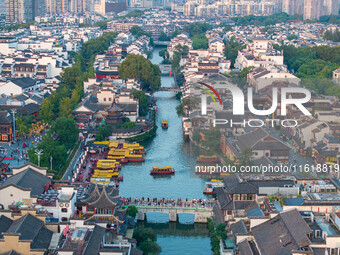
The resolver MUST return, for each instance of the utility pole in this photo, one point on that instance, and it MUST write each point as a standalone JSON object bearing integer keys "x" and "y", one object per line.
{"x": 38, "y": 153}
{"x": 14, "y": 111}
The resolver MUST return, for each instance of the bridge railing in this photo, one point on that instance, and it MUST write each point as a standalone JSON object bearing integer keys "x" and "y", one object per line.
{"x": 174, "y": 207}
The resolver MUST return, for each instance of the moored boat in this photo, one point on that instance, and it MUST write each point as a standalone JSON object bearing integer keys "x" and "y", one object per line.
{"x": 162, "y": 170}
{"x": 208, "y": 159}
{"x": 135, "y": 158}
{"x": 209, "y": 187}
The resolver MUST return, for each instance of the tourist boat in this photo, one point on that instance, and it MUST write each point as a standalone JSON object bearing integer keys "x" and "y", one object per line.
{"x": 124, "y": 160}
{"x": 135, "y": 158}
{"x": 164, "y": 124}
{"x": 139, "y": 150}
{"x": 118, "y": 178}
{"x": 209, "y": 187}
{"x": 216, "y": 180}
{"x": 162, "y": 170}
{"x": 208, "y": 159}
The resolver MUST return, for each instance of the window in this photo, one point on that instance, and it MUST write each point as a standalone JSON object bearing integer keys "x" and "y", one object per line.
{"x": 104, "y": 99}
{"x": 244, "y": 197}
{"x": 317, "y": 233}
{"x": 110, "y": 99}
{"x": 63, "y": 209}
{"x": 63, "y": 219}
{"x": 237, "y": 196}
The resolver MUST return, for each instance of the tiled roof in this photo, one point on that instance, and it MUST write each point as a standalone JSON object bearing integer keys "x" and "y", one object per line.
{"x": 28, "y": 179}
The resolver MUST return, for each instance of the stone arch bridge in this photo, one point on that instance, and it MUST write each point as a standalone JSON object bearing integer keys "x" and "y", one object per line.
{"x": 201, "y": 214}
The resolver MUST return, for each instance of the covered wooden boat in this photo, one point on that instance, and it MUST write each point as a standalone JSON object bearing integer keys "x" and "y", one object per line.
{"x": 162, "y": 170}
{"x": 165, "y": 124}
{"x": 208, "y": 159}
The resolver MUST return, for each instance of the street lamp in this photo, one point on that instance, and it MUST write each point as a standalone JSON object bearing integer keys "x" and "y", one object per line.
{"x": 38, "y": 153}
{"x": 14, "y": 111}
{"x": 51, "y": 162}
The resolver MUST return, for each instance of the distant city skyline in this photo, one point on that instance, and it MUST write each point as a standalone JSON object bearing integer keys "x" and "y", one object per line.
{"x": 18, "y": 11}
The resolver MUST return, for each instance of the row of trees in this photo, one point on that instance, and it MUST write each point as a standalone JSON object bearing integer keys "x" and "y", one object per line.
{"x": 217, "y": 233}
{"x": 330, "y": 19}
{"x": 311, "y": 62}
{"x": 60, "y": 139}
{"x": 57, "y": 108}
{"x": 62, "y": 101}
{"x": 17, "y": 26}
{"x": 265, "y": 20}
{"x": 332, "y": 36}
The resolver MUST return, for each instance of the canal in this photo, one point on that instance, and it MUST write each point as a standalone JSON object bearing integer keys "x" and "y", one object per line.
{"x": 169, "y": 148}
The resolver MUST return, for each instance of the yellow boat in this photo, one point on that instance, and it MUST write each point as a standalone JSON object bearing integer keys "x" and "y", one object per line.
{"x": 165, "y": 124}
{"x": 216, "y": 180}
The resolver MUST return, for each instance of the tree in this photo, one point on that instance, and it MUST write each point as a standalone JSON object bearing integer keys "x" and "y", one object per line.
{"x": 150, "y": 247}
{"x": 211, "y": 139}
{"x": 292, "y": 37}
{"x": 186, "y": 105}
{"x": 200, "y": 42}
{"x": 70, "y": 75}
{"x": 102, "y": 24}
{"x": 46, "y": 112}
{"x": 197, "y": 28}
{"x": 245, "y": 156}
{"x": 50, "y": 148}
{"x": 132, "y": 211}
{"x": 103, "y": 133}
{"x": 163, "y": 37}
{"x": 137, "y": 31}
{"x": 138, "y": 67}
{"x": 65, "y": 130}
{"x": 65, "y": 108}
{"x": 24, "y": 123}
{"x": 231, "y": 50}
{"x": 143, "y": 234}
{"x": 75, "y": 98}
{"x": 142, "y": 101}
{"x": 183, "y": 50}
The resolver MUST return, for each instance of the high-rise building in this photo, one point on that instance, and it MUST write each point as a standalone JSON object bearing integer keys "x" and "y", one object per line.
{"x": 56, "y": 6}
{"x": 293, "y": 7}
{"x": 331, "y": 7}
{"x": 18, "y": 11}
{"x": 313, "y": 9}
{"x": 76, "y": 6}
{"x": 2, "y": 8}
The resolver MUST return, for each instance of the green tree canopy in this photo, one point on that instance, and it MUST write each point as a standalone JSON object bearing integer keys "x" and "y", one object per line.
{"x": 103, "y": 133}
{"x": 65, "y": 108}
{"x": 50, "y": 148}
{"x": 136, "y": 66}
{"x": 132, "y": 211}
{"x": 66, "y": 131}
{"x": 142, "y": 100}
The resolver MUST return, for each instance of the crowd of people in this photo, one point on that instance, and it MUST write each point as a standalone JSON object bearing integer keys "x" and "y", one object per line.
{"x": 168, "y": 202}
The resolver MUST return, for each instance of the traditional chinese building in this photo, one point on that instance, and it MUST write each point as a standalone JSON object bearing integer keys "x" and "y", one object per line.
{"x": 102, "y": 204}
{"x": 6, "y": 123}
